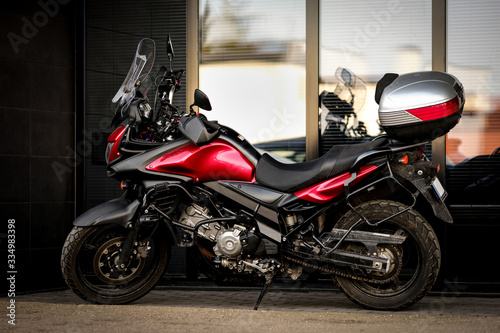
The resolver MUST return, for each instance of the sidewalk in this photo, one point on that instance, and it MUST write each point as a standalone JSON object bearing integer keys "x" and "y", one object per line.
{"x": 202, "y": 309}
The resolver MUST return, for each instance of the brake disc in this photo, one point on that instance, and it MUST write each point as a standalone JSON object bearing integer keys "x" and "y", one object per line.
{"x": 106, "y": 263}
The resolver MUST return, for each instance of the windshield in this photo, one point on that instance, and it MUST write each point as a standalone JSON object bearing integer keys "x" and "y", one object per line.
{"x": 350, "y": 88}
{"x": 138, "y": 72}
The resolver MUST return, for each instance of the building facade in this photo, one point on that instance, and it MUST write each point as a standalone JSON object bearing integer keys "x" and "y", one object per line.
{"x": 263, "y": 64}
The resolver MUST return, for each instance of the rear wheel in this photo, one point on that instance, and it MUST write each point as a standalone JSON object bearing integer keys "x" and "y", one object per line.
{"x": 414, "y": 264}
{"x": 89, "y": 264}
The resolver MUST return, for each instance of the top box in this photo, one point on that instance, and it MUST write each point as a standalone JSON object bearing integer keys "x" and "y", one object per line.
{"x": 419, "y": 106}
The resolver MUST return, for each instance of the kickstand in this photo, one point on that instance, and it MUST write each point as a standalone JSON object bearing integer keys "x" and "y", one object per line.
{"x": 269, "y": 280}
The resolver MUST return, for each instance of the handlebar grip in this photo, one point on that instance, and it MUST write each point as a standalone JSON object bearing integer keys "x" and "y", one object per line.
{"x": 178, "y": 74}
{"x": 210, "y": 124}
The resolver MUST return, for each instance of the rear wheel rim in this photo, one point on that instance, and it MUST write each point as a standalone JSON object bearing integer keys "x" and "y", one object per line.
{"x": 411, "y": 268}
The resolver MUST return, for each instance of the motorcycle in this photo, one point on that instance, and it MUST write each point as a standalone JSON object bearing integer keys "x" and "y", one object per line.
{"x": 360, "y": 213}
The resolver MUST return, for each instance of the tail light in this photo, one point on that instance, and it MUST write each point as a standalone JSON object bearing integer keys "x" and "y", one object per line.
{"x": 437, "y": 111}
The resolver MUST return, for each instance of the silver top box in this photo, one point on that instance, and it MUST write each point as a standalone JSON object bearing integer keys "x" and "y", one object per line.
{"x": 433, "y": 99}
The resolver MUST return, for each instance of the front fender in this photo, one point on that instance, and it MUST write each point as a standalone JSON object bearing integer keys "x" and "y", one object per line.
{"x": 118, "y": 211}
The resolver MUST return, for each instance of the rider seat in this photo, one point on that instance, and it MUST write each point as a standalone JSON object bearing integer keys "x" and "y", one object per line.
{"x": 290, "y": 177}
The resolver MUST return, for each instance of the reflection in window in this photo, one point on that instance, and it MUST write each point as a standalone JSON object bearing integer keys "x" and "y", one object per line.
{"x": 369, "y": 38}
{"x": 252, "y": 67}
{"x": 473, "y": 158}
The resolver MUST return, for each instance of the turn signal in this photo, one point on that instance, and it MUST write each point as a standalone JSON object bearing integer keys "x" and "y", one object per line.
{"x": 124, "y": 185}
{"x": 403, "y": 159}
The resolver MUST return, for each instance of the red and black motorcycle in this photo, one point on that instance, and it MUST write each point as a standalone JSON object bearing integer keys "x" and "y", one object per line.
{"x": 360, "y": 212}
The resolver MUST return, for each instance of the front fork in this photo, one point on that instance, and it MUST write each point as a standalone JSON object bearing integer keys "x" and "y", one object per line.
{"x": 128, "y": 245}
{"x": 131, "y": 241}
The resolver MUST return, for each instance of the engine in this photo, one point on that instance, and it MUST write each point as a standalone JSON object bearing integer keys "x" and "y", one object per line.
{"x": 229, "y": 243}
{"x": 232, "y": 243}
{"x": 193, "y": 214}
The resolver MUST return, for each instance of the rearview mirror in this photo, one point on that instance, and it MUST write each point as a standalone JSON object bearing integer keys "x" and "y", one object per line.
{"x": 170, "y": 49}
{"x": 201, "y": 100}
{"x": 348, "y": 77}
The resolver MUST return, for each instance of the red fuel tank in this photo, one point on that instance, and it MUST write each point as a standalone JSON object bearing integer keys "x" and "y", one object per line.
{"x": 215, "y": 161}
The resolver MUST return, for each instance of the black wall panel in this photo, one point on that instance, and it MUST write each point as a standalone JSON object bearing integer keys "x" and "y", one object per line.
{"x": 37, "y": 134}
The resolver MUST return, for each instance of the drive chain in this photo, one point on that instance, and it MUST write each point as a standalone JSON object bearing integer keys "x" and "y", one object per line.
{"x": 334, "y": 271}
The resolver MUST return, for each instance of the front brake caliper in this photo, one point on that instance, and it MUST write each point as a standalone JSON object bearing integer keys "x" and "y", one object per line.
{"x": 143, "y": 249}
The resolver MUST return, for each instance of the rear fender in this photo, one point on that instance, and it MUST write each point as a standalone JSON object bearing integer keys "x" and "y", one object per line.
{"x": 438, "y": 207}
{"x": 424, "y": 185}
{"x": 119, "y": 211}
{"x": 414, "y": 184}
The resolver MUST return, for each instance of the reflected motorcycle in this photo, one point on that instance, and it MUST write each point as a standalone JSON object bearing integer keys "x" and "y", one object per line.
{"x": 360, "y": 213}
{"x": 339, "y": 119}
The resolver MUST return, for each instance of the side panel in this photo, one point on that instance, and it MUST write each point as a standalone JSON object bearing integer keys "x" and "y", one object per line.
{"x": 267, "y": 219}
{"x": 331, "y": 188}
{"x": 255, "y": 191}
{"x": 134, "y": 167}
{"x": 215, "y": 161}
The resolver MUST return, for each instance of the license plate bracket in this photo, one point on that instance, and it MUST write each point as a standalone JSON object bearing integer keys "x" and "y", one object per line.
{"x": 439, "y": 189}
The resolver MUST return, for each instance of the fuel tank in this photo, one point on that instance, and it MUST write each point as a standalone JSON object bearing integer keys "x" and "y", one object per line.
{"x": 219, "y": 160}
{"x": 229, "y": 157}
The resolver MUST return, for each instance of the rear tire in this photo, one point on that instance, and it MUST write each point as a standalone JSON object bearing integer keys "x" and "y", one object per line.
{"x": 416, "y": 261}
{"x": 87, "y": 260}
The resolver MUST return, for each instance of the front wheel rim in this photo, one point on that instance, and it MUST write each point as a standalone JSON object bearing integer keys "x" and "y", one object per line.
{"x": 92, "y": 277}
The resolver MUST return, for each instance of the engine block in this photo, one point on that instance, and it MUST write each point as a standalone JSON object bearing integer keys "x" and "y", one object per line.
{"x": 229, "y": 243}
{"x": 193, "y": 214}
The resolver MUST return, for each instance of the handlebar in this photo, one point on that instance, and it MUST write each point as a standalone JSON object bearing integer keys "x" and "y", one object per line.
{"x": 210, "y": 124}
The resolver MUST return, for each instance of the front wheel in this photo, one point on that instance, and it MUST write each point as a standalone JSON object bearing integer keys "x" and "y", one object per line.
{"x": 89, "y": 263}
{"x": 414, "y": 264}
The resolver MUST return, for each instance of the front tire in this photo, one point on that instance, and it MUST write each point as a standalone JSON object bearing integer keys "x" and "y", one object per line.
{"x": 88, "y": 259}
{"x": 416, "y": 262}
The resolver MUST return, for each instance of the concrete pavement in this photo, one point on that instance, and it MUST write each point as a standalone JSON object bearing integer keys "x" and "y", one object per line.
{"x": 214, "y": 309}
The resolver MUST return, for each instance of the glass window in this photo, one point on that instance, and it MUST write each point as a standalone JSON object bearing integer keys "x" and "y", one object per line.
{"x": 370, "y": 38}
{"x": 473, "y": 158}
{"x": 252, "y": 67}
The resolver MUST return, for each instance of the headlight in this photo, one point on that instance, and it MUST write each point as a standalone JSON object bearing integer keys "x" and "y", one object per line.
{"x": 109, "y": 147}
{"x": 112, "y": 152}
{"x": 145, "y": 109}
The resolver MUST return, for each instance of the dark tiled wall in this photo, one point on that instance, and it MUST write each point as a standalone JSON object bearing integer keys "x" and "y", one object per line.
{"x": 37, "y": 136}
